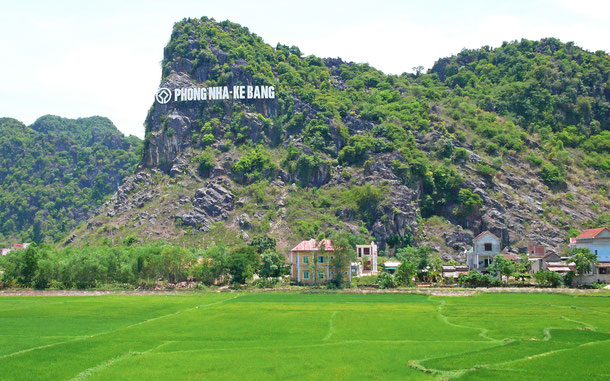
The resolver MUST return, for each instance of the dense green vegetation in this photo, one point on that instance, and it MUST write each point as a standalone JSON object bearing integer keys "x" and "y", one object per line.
{"x": 131, "y": 266}
{"x": 56, "y": 172}
{"x": 553, "y": 89}
{"x": 289, "y": 336}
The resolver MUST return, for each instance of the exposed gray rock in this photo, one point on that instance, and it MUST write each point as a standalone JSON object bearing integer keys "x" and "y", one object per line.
{"x": 179, "y": 167}
{"x": 244, "y": 221}
{"x": 196, "y": 218}
{"x": 458, "y": 239}
{"x": 215, "y": 200}
{"x": 211, "y": 203}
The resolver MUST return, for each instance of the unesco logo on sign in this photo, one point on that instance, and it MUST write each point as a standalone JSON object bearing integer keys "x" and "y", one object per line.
{"x": 163, "y": 95}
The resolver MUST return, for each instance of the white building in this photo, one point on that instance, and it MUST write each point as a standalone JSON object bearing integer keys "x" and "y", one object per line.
{"x": 367, "y": 259}
{"x": 485, "y": 247}
{"x": 598, "y": 242}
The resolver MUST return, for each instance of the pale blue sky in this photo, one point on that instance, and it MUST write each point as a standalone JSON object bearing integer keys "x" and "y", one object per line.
{"x": 83, "y": 58}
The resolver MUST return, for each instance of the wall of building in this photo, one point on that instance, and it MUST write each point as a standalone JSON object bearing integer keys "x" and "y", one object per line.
{"x": 479, "y": 249}
{"x": 479, "y": 245}
{"x": 323, "y": 271}
{"x": 601, "y": 245}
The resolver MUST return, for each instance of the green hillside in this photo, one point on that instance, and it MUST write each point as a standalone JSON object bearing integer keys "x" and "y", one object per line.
{"x": 56, "y": 172}
{"x": 512, "y": 139}
{"x": 556, "y": 91}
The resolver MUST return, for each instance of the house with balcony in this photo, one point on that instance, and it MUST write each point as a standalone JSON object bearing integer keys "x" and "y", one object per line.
{"x": 314, "y": 262}
{"x": 366, "y": 260}
{"x": 485, "y": 247}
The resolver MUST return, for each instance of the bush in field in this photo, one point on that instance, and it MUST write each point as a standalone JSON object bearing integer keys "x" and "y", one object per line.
{"x": 212, "y": 267}
{"x": 242, "y": 264}
{"x": 547, "y": 278}
{"x": 20, "y": 266}
{"x": 475, "y": 279}
{"x": 273, "y": 265}
{"x": 405, "y": 273}
{"x": 386, "y": 280}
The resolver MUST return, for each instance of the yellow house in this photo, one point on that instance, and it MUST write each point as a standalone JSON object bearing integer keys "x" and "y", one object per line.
{"x": 312, "y": 262}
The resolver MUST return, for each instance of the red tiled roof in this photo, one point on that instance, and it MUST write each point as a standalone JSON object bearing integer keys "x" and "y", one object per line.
{"x": 591, "y": 233}
{"x": 482, "y": 234}
{"x": 312, "y": 245}
{"x": 603, "y": 264}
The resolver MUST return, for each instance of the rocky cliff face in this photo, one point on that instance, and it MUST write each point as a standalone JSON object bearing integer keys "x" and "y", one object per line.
{"x": 333, "y": 127}
{"x": 170, "y": 127}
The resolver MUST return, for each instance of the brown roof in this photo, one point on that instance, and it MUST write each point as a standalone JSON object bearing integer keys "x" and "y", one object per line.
{"x": 312, "y": 245}
{"x": 603, "y": 264}
{"x": 591, "y": 233}
{"x": 483, "y": 233}
{"x": 548, "y": 254}
{"x": 512, "y": 257}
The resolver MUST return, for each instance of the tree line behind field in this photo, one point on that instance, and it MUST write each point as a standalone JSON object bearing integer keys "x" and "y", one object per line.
{"x": 137, "y": 266}
{"x": 147, "y": 266}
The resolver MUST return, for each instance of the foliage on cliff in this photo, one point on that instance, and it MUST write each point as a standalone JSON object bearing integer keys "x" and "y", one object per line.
{"x": 56, "y": 172}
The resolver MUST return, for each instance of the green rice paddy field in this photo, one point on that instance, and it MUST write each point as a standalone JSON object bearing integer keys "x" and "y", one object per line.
{"x": 256, "y": 336}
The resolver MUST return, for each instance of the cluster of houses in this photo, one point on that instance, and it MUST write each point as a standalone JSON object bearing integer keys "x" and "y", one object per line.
{"x": 486, "y": 246}
{"x": 313, "y": 261}
{"x": 16, "y": 246}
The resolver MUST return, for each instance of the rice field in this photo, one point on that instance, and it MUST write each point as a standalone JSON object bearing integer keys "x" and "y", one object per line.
{"x": 263, "y": 336}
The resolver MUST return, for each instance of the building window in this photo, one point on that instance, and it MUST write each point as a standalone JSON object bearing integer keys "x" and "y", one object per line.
{"x": 305, "y": 274}
{"x": 602, "y": 270}
{"x": 320, "y": 259}
{"x": 305, "y": 259}
{"x": 321, "y": 275}
{"x": 359, "y": 252}
{"x": 488, "y": 247}
{"x": 332, "y": 274}
{"x": 367, "y": 251}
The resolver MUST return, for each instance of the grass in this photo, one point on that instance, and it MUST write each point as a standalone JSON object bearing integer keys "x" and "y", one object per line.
{"x": 258, "y": 336}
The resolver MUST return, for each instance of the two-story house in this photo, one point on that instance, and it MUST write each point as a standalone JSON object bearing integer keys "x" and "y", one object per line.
{"x": 485, "y": 247}
{"x": 598, "y": 242}
{"x": 314, "y": 262}
{"x": 367, "y": 259}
